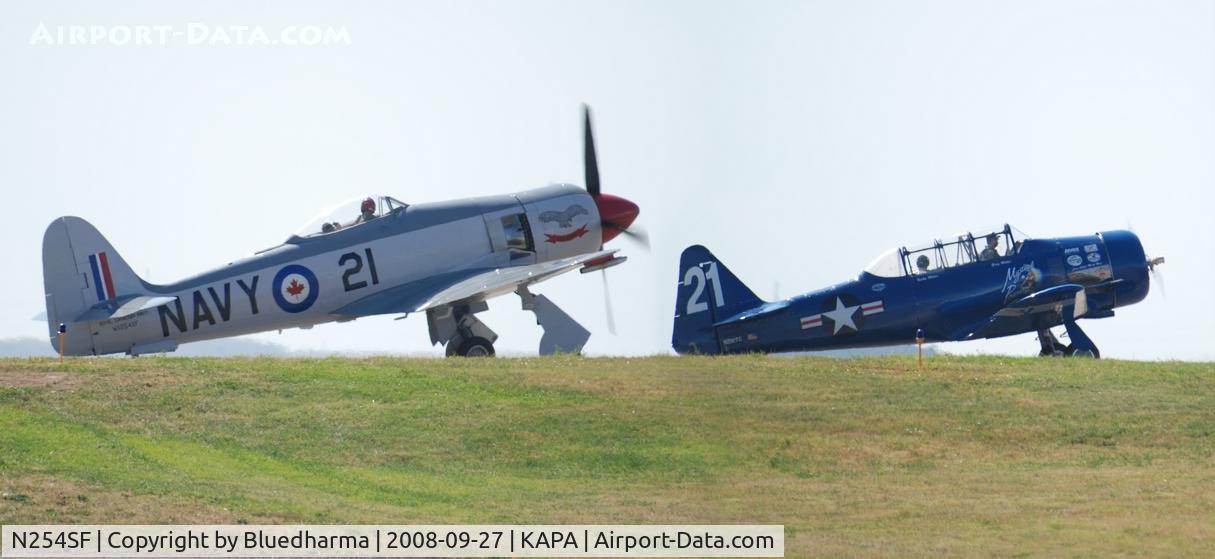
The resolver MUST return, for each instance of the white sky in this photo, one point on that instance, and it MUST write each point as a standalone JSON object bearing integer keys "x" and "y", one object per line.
{"x": 796, "y": 140}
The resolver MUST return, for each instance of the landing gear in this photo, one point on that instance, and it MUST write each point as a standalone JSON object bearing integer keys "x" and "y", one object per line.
{"x": 1051, "y": 346}
{"x": 471, "y": 347}
{"x": 459, "y": 329}
{"x": 1081, "y": 345}
{"x": 562, "y": 334}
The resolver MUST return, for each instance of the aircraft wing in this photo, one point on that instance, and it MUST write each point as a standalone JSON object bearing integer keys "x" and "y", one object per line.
{"x": 474, "y": 284}
{"x": 1018, "y": 314}
{"x": 1046, "y": 300}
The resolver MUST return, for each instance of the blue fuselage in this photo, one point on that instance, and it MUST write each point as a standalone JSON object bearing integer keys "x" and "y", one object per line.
{"x": 971, "y": 301}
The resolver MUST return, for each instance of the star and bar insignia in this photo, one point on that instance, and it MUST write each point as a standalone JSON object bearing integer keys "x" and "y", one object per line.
{"x": 842, "y": 315}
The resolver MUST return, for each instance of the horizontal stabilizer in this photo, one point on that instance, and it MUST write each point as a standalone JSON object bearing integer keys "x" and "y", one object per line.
{"x": 123, "y": 306}
{"x": 755, "y": 312}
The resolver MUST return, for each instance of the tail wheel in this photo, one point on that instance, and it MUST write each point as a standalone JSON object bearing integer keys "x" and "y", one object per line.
{"x": 475, "y": 347}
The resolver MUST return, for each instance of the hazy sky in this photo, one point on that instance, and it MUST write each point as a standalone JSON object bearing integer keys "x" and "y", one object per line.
{"x": 797, "y": 140}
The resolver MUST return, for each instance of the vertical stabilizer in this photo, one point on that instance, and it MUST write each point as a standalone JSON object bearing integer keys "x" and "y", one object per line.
{"x": 707, "y": 292}
{"x": 80, "y": 270}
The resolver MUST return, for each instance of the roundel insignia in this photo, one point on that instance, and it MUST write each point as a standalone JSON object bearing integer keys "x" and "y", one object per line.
{"x": 1074, "y": 260}
{"x": 295, "y": 288}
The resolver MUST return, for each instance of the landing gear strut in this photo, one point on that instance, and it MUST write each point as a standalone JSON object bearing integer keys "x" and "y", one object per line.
{"x": 1081, "y": 345}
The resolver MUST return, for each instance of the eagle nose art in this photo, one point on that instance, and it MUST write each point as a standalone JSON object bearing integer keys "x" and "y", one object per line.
{"x": 616, "y": 213}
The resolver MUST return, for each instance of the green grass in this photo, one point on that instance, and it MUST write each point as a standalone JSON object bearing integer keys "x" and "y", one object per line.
{"x": 867, "y": 457}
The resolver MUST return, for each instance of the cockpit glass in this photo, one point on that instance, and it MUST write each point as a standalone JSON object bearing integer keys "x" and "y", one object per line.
{"x": 350, "y": 213}
{"x": 887, "y": 265}
{"x": 989, "y": 243}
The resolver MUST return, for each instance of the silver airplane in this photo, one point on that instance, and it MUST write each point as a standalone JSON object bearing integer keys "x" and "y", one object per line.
{"x": 370, "y": 256}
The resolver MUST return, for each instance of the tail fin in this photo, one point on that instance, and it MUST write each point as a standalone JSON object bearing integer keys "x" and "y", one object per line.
{"x": 708, "y": 292}
{"x": 79, "y": 270}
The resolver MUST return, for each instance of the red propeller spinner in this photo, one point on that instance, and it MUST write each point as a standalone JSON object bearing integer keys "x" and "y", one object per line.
{"x": 616, "y": 213}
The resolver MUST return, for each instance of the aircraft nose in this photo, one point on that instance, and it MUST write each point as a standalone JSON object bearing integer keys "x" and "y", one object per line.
{"x": 1130, "y": 265}
{"x": 616, "y": 213}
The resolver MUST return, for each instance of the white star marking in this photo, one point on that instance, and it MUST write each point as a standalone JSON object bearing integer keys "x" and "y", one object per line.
{"x": 842, "y": 316}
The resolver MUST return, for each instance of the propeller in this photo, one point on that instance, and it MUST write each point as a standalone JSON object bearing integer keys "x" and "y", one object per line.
{"x": 616, "y": 214}
{"x": 1157, "y": 275}
{"x": 590, "y": 163}
{"x": 1152, "y": 263}
{"x": 637, "y": 234}
{"x": 607, "y": 304}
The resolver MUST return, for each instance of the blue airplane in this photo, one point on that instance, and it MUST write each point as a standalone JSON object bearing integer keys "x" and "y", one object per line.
{"x": 993, "y": 284}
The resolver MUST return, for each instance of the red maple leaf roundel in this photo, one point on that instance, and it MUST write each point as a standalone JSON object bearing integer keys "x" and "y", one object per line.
{"x": 295, "y": 288}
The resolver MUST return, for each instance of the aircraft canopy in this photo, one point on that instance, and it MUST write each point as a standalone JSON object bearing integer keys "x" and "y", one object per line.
{"x": 947, "y": 252}
{"x": 348, "y": 214}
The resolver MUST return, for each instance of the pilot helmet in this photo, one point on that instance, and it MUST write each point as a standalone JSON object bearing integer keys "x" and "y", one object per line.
{"x": 368, "y": 205}
{"x": 922, "y": 262}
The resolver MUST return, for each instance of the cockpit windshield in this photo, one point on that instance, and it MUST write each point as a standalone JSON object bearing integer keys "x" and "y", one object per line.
{"x": 948, "y": 252}
{"x": 350, "y": 213}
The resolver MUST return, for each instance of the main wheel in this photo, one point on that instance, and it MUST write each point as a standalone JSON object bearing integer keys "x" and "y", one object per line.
{"x": 1057, "y": 350}
{"x": 1051, "y": 347}
{"x": 475, "y": 347}
{"x": 1073, "y": 352}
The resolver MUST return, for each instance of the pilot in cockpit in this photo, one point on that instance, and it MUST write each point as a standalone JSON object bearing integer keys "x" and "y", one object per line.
{"x": 368, "y": 209}
{"x": 990, "y": 253}
{"x": 921, "y": 264}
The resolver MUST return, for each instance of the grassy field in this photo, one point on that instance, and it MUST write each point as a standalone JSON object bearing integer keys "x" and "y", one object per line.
{"x": 866, "y": 457}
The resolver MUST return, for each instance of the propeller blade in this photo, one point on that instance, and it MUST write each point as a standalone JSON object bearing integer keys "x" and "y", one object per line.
{"x": 637, "y": 234}
{"x": 590, "y": 163}
{"x": 1153, "y": 265}
{"x": 607, "y": 304}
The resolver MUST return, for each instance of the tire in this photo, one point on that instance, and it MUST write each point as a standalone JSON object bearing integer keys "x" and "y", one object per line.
{"x": 1073, "y": 352}
{"x": 1084, "y": 353}
{"x": 1057, "y": 349}
{"x": 475, "y": 347}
